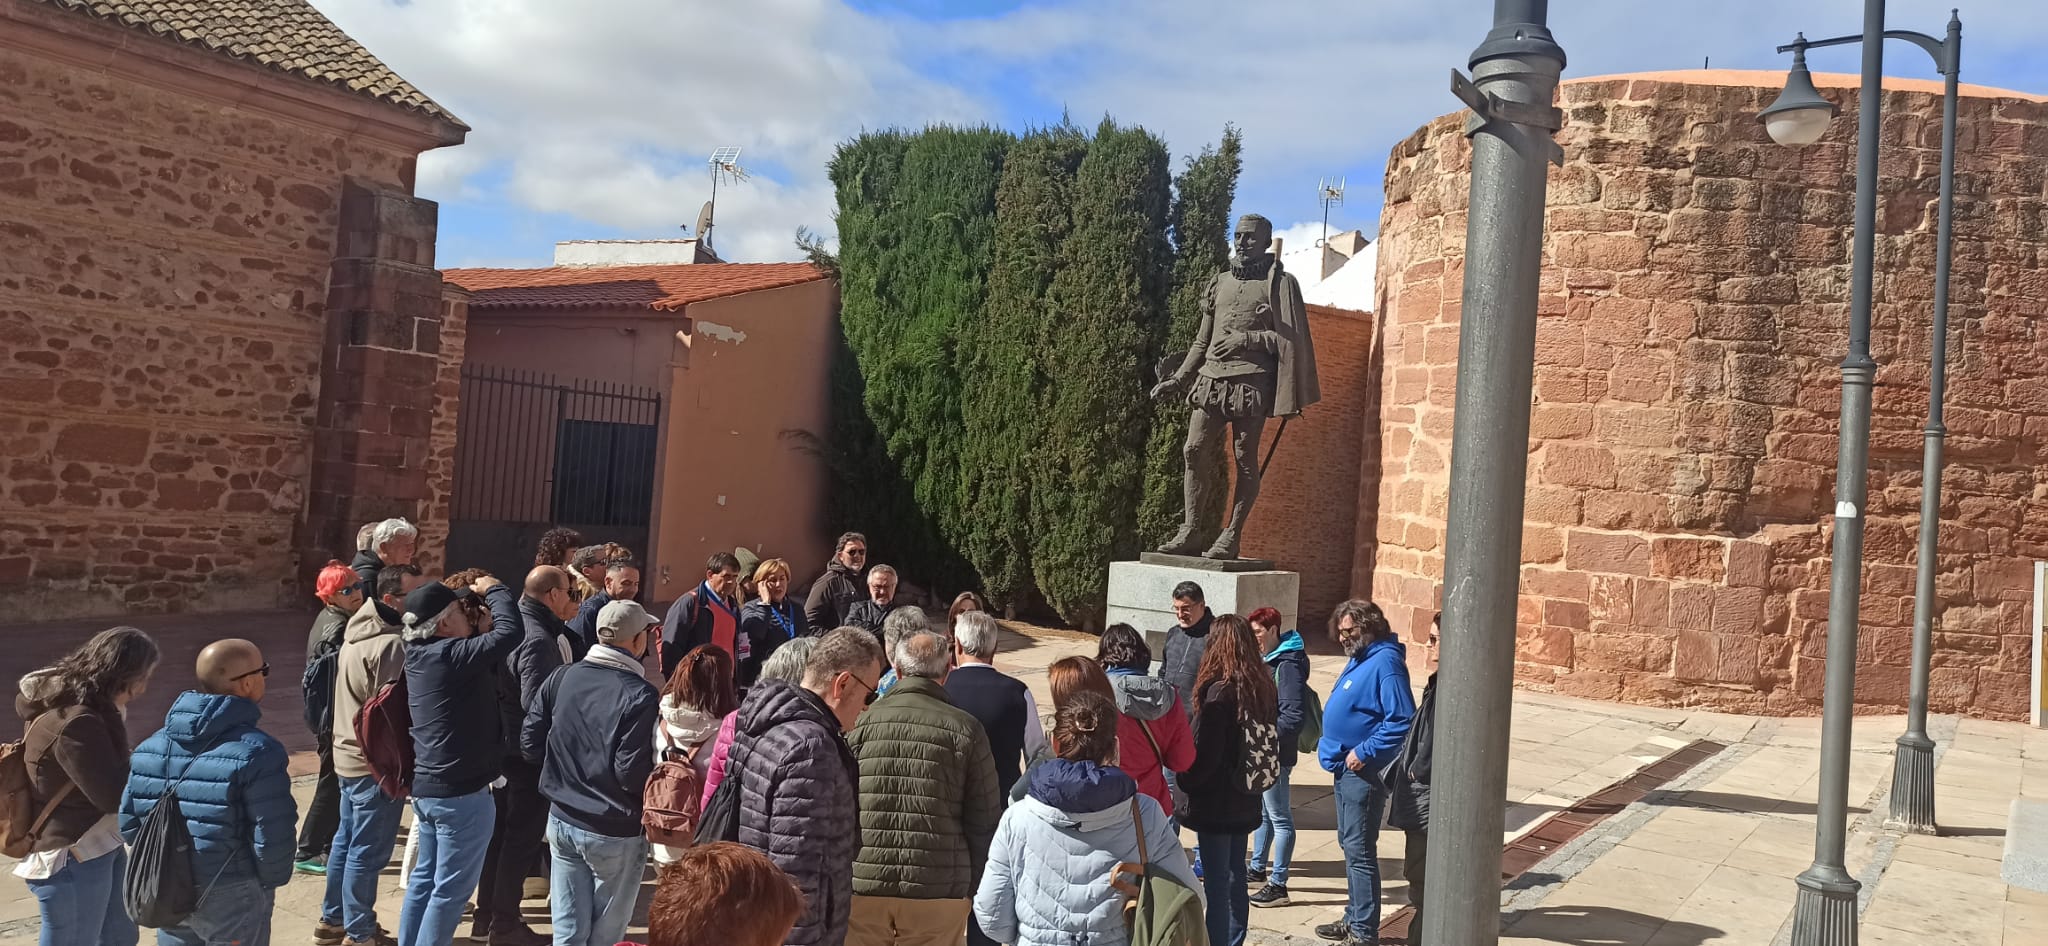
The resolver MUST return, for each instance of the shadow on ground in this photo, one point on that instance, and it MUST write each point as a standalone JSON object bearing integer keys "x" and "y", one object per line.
{"x": 1604, "y": 926}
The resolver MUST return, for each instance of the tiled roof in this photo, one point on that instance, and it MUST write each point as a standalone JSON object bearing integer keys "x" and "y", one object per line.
{"x": 665, "y": 288}
{"x": 286, "y": 35}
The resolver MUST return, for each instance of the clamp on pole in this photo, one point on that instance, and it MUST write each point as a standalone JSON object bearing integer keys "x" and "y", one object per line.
{"x": 1489, "y": 109}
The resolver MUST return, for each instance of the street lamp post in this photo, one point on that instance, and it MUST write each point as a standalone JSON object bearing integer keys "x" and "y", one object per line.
{"x": 1514, "y": 81}
{"x": 1824, "y": 913}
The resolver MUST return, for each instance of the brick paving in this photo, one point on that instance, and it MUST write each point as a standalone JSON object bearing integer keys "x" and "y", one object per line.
{"x": 1706, "y": 859}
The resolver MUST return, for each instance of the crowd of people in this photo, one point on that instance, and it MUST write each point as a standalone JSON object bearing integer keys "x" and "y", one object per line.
{"x": 841, "y": 771}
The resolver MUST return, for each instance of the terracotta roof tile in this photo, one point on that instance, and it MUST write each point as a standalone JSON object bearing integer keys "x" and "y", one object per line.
{"x": 288, "y": 36}
{"x": 665, "y": 288}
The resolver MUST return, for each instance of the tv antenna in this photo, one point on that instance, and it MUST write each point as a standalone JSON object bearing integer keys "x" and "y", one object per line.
{"x": 725, "y": 163}
{"x": 1330, "y": 195}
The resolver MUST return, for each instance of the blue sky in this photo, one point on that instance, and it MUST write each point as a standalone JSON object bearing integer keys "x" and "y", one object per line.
{"x": 593, "y": 119}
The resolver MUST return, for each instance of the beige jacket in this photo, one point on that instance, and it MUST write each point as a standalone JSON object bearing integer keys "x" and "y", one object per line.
{"x": 371, "y": 655}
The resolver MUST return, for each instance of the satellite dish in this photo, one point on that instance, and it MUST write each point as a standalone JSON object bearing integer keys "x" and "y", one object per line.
{"x": 704, "y": 226}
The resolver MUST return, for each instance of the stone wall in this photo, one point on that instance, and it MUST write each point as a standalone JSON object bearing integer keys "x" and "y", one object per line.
{"x": 1306, "y": 518}
{"x": 1693, "y": 313}
{"x": 164, "y": 268}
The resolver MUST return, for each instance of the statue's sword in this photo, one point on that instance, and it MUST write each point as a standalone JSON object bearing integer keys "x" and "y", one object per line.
{"x": 1282, "y": 432}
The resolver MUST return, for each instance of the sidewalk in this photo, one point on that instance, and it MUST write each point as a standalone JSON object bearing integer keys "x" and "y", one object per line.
{"x": 1706, "y": 859}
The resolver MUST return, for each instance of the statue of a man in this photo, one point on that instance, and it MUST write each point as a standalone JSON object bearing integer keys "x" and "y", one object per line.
{"x": 1251, "y": 359}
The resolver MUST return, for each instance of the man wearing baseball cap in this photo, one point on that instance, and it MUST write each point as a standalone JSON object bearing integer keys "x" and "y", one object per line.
{"x": 458, "y": 747}
{"x": 594, "y": 767}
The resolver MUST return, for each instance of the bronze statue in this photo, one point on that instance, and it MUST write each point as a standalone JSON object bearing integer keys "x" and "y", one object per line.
{"x": 1251, "y": 359}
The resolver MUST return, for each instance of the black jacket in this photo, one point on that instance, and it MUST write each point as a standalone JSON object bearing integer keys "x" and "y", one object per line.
{"x": 832, "y": 595}
{"x": 764, "y": 625}
{"x": 1290, "y": 678}
{"x": 1183, "y": 657}
{"x": 583, "y": 627}
{"x": 865, "y": 613}
{"x": 537, "y": 655}
{"x": 367, "y": 565}
{"x": 594, "y": 766}
{"x": 458, "y": 740}
{"x": 1408, "y": 802}
{"x": 1217, "y": 801}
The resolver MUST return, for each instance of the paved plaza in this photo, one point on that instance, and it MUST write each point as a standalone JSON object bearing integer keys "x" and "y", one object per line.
{"x": 1708, "y": 858}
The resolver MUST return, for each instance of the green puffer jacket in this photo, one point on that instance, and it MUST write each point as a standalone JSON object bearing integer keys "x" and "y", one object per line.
{"x": 929, "y": 800}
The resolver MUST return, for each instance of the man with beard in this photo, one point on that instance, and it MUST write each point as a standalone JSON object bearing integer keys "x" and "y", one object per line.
{"x": 1365, "y": 721}
{"x": 835, "y": 592}
{"x": 1251, "y": 359}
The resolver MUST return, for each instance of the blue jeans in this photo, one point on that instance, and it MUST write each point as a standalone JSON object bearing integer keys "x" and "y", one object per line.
{"x": 1276, "y": 831}
{"x": 81, "y": 903}
{"x": 454, "y": 834}
{"x": 1229, "y": 903}
{"x": 1359, "y": 805}
{"x": 362, "y": 846}
{"x": 593, "y": 884}
{"x": 230, "y": 913}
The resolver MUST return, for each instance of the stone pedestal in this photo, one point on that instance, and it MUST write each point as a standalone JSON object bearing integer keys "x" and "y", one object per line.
{"x": 1141, "y": 593}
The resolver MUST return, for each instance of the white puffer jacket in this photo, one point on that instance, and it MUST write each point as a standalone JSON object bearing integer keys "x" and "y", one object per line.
{"x": 1047, "y": 881}
{"x": 684, "y": 728}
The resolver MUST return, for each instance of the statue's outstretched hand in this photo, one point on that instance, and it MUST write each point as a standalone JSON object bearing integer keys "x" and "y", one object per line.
{"x": 1164, "y": 387}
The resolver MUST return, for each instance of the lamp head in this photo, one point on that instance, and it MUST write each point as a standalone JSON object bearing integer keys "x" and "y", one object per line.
{"x": 1799, "y": 116}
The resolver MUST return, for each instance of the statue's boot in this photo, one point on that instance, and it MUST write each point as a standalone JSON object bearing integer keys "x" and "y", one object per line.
{"x": 1225, "y": 547}
{"x": 1193, "y": 496}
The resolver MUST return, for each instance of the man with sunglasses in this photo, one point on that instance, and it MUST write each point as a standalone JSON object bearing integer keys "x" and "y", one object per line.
{"x": 843, "y": 585}
{"x": 236, "y": 797}
{"x": 798, "y": 778}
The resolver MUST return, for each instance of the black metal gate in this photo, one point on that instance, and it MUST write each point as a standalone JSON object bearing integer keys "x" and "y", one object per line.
{"x": 533, "y": 451}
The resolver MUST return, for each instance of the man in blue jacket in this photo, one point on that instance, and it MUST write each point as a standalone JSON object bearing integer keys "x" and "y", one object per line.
{"x": 1364, "y": 721}
{"x": 591, "y": 730}
{"x": 233, "y": 790}
{"x": 458, "y": 748}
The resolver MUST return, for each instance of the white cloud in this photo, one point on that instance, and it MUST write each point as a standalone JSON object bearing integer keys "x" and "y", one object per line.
{"x": 1348, "y": 287}
{"x": 604, "y": 110}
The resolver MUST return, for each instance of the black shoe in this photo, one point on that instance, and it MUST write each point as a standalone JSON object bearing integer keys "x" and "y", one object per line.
{"x": 1339, "y": 931}
{"x": 1254, "y": 877}
{"x": 520, "y": 935}
{"x": 1271, "y": 895}
{"x": 480, "y": 931}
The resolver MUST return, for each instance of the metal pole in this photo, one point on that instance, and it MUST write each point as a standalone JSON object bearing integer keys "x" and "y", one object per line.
{"x": 1824, "y": 911}
{"x": 1913, "y": 762}
{"x": 1515, "y": 72}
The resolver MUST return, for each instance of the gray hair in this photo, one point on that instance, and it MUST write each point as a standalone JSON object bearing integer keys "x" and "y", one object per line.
{"x": 364, "y": 536}
{"x": 843, "y": 650}
{"x": 923, "y": 654}
{"x": 902, "y": 623}
{"x": 882, "y": 570}
{"x": 787, "y": 663}
{"x": 977, "y": 633}
{"x": 391, "y": 529}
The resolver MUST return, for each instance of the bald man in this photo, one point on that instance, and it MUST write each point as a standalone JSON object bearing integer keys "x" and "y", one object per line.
{"x": 522, "y": 813}
{"x": 233, "y": 792}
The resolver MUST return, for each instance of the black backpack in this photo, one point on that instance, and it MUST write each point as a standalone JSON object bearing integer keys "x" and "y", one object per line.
{"x": 160, "y": 889}
{"x": 720, "y": 819}
{"x": 317, "y": 686}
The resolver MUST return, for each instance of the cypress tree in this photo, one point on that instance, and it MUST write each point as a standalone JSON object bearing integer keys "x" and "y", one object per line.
{"x": 1200, "y": 225}
{"x": 1001, "y": 429}
{"x": 1109, "y": 299}
{"x": 917, "y": 223}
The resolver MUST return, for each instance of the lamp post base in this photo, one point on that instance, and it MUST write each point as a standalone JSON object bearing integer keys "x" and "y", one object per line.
{"x": 1912, "y": 805}
{"x": 1824, "y": 914}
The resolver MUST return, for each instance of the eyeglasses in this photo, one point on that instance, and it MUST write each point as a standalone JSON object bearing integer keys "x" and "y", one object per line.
{"x": 856, "y": 552}
{"x": 873, "y": 692}
{"x": 264, "y": 670}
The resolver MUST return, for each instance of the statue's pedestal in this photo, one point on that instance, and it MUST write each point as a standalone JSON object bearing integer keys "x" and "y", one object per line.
{"x": 1141, "y": 592}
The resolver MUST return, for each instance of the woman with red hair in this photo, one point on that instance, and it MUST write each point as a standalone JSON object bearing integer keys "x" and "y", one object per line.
{"x": 722, "y": 894}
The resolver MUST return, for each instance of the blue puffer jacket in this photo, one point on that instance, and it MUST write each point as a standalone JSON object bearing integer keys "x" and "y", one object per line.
{"x": 235, "y": 794}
